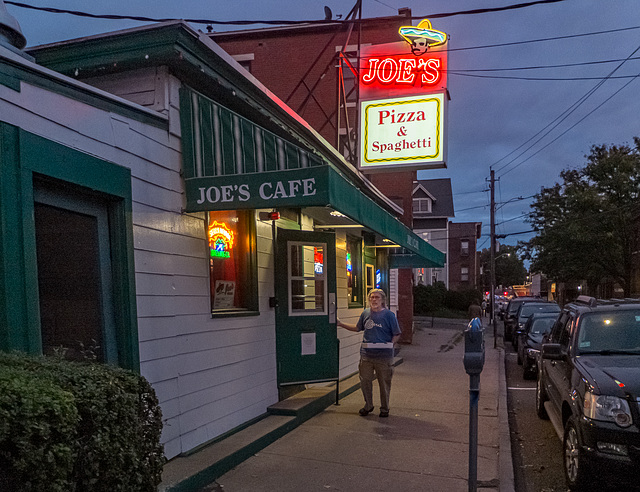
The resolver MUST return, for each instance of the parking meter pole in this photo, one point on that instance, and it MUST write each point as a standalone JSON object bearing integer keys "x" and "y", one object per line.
{"x": 474, "y": 397}
{"x": 473, "y": 364}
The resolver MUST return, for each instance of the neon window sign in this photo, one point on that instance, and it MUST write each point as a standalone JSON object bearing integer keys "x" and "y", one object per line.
{"x": 318, "y": 261}
{"x": 378, "y": 278}
{"x": 220, "y": 240}
{"x": 349, "y": 265}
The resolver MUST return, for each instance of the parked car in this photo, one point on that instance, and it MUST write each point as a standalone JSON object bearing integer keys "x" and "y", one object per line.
{"x": 525, "y": 310}
{"x": 537, "y": 326}
{"x": 510, "y": 313}
{"x": 589, "y": 385}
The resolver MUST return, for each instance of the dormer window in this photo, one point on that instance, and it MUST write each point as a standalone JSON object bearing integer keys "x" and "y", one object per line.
{"x": 422, "y": 205}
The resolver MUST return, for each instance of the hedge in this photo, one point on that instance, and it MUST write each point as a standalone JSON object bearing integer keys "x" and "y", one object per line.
{"x": 428, "y": 299}
{"x": 77, "y": 426}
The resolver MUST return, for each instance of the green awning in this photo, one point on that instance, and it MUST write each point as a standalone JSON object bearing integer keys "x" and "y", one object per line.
{"x": 410, "y": 260}
{"x": 320, "y": 186}
{"x": 231, "y": 163}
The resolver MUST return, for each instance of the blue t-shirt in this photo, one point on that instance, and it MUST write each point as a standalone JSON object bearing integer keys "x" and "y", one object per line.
{"x": 379, "y": 328}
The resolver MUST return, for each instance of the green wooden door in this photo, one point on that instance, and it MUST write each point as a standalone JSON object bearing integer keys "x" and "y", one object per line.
{"x": 305, "y": 285}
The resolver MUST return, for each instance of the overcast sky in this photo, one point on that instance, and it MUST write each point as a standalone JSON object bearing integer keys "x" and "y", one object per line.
{"x": 490, "y": 118}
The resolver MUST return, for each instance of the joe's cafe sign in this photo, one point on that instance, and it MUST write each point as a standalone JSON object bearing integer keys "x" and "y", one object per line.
{"x": 292, "y": 188}
{"x": 403, "y": 101}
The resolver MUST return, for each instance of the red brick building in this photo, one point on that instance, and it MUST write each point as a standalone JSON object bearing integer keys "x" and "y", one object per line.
{"x": 464, "y": 267}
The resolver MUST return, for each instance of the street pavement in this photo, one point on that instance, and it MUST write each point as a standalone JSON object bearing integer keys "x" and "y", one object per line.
{"x": 422, "y": 446}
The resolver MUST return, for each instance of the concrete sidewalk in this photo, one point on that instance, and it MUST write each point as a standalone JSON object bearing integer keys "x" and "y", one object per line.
{"x": 422, "y": 446}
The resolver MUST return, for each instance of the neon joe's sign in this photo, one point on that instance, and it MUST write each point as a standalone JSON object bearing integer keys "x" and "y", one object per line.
{"x": 220, "y": 239}
{"x": 391, "y": 67}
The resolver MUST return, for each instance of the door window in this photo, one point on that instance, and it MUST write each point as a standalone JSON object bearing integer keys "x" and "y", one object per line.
{"x": 307, "y": 278}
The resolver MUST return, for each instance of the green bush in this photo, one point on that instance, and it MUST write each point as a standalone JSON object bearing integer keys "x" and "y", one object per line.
{"x": 111, "y": 435}
{"x": 37, "y": 433}
{"x": 428, "y": 299}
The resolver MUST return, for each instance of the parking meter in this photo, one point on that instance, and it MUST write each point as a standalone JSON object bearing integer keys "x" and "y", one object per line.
{"x": 473, "y": 364}
{"x": 474, "y": 347}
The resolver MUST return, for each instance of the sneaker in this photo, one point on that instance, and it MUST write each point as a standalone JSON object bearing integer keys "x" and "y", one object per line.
{"x": 364, "y": 412}
{"x": 384, "y": 413}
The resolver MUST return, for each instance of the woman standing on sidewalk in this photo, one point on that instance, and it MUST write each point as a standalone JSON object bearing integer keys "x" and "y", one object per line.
{"x": 381, "y": 331}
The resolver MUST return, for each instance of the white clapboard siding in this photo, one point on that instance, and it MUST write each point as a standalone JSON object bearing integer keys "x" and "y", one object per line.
{"x": 156, "y": 196}
{"x": 247, "y": 409}
{"x": 210, "y": 374}
{"x": 150, "y": 284}
{"x": 151, "y": 262}
{"x": 231, "y": 395}
{"x": 155, "y": 218}
{"x": 199, "y": 381}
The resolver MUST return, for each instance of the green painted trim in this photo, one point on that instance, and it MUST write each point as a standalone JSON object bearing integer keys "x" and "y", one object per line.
{"x": 53, "y": 160}
{"x": 8, "y": 78}
{"x": 13, "y": 299}
{"x": 87, "y": 95}
{"x": 22, "y": 156}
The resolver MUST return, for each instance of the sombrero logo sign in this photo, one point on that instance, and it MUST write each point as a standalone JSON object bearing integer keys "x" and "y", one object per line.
{"x": 392, "y": 69}
{"x": 422, "y": 37}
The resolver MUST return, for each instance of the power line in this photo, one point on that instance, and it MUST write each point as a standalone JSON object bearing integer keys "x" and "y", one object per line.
{"x": 541, "y": 40}
{"x": 574, "y": 125}
{"x": 273, "y": 22}
{"x": 539, "y": 67}
{"x": 513, "y": 77}
{"x": 560, "y": 118}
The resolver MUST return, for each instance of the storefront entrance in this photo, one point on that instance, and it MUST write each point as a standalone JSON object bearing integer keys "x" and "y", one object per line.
{"x": 305, "y": 286}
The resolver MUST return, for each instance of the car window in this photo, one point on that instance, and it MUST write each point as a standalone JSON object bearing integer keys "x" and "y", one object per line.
{"x": 513, "y": 307}
{"x": 528, "y": 309}
{"x": 614, "y": 331}
{"x": 565, "y": 333}
{"x": 542, "y": 326}
{"x": 557, "y": 328}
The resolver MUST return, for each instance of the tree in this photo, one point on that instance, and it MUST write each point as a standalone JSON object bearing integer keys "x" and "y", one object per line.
{"x": 586, "y": 225}
{"x": 510, "y": 269}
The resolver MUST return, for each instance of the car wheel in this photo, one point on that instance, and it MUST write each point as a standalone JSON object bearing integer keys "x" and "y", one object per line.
{"x": 576, "y": 471}
{"x": 541, "y": 397}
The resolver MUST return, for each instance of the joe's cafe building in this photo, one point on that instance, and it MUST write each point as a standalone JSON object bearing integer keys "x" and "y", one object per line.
{"x": 176, "y": 217}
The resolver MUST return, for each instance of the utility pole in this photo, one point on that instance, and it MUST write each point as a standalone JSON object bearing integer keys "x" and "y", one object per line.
{"x": 493, "y": 255}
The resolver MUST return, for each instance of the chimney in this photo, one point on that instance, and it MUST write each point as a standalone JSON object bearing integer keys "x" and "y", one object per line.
{"x": 402, "y": 12}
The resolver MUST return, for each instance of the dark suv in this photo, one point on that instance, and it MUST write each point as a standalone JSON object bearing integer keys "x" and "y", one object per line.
{"x": 589, "y": 385}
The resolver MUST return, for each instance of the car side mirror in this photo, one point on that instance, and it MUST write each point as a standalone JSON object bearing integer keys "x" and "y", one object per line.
{"x": 552, "y": 351}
